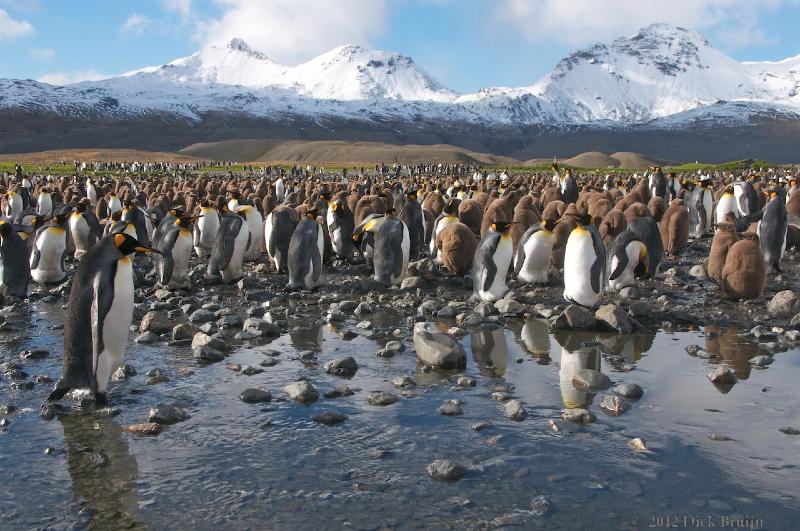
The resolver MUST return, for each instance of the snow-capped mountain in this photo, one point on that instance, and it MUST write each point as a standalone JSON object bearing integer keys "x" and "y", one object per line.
{"x": 661, "y": 77}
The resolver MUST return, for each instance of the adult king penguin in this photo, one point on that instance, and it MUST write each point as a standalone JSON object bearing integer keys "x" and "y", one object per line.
{"x": 227, "y": 256}
{"x": 772, "y": 229}
{"x": 627, "y": 260}
{"x": 584, "y": 264}
{"x": 278, "y": 230}
{"x": 15, "y": 271}
{"x": 492, "y": 260}
{"x": 411, "y": 215}
{"x": 175, "y": 248}
{"x": 305, "y": 253}
{"x": 84, "y": 228}
{"x": 48, "y": 254}
{"x": 532, "y": 261}
{"x": 98, "y": 316}
{"x": 700, "y": 203}
{"x": 340, "y": 227}
{"x": 392, "y": 250}
{"x": 205, "y": 230}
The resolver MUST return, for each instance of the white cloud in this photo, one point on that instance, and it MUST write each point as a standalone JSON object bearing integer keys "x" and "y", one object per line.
{"x": 291, "y": 31}
{"x": 42, "y": 54}
{"x": 76, "y": 76}
{"x": 11, "y": 28}
{"x": 577, "y": 22}
{"x": 136, "y": 24}
{"x": 184, "y": 7}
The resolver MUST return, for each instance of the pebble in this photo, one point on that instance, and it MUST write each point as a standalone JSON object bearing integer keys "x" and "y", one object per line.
{"x": 404, "y": 382}
{"x": 515, "y": 410}
{"x": 381, "y": 398}
{"x": 722, "y": 376}
{"x": 146, "y": 338}
{"x": 466, "y": 381}
{"x": 345, "y": 367}
{"x": 339, "y": 392}
{"x": 629, "y": 390}
{"x": 446, "y": 470}
{"x": 637, "y": 444}
{"x": 451, "y": 407}
{"x": 788, "y": 430}
{"x": 578, "y": 416}
{"x": 540, "y": 505}
{"x": 614, "y": 405}
{"x": 145, "y": 428}
{"x": 482, "y": 425}
{"x": 302, "y": 391}
{"x": 719, "y": 437}
{"x": 255, "y": 396}
{"x": 329, "y": 418}
{"x": 167, "y": 414}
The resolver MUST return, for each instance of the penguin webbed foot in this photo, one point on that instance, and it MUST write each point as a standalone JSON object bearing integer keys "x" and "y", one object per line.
{"x": 58, "y": 392}
{"x": 101, "y": 399}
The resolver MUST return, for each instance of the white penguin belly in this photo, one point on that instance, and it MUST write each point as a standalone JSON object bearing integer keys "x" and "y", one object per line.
{"x": 579, "y": 257}
{"x": 44, "y": 205}
{"x": 254, "y": 222}
{"x": 234, "y": 269}
{"x": 116, "y": 324}
{"x": 79, "y": 229}
{"x": 502, "y": 260}
{"x": 708, "y": 202}
{"x": 207, "y": 228}
{"x": 536, "y": 261}
{"x": 627, "y": 277}
{"x": 727, "y": 203}
{"x": 268, "y": 228}
{"x": 51, "y": 244}
{"x": 181, "y": 252}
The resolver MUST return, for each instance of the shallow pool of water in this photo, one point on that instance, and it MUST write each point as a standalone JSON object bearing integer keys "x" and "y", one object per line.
{"x": 238, "y": 465}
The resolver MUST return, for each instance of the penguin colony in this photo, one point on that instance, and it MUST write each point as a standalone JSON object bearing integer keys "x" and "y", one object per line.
{"x": 596, "y": 233}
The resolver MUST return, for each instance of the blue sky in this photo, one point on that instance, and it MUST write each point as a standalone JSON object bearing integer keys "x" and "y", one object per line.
{"x": 465, "y": 44}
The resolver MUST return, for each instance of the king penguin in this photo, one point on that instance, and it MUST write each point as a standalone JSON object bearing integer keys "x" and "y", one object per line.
{"x": 98, "y": 316}
{"x": 44, "y": 202}
{"x": 492, "y": 260}
{"x": 392, "y": 250}
{"x": 365, "y": 233}
{"x": 175, "y": 248}
{"x": 627, "y": 260}
{"x": 47, "y": 257}
{"x": 584, "y": 264}
{"x": 137, "y": 217}
{"x": 13, "y": 206}
{"x": 15, "y": 271}
{"x": 772, "y": 229}
{"x": 305, "y": 253}
{"x": 255, "y": 224}
{"x": 700, "y": 209}
{"x": 278, "y": 230}
{"x": 727, "y": 203}
{"x": 205, "y": 229}
{"x": 411, "y": 215}
{"x": 227, "y": 255}
{"x": 341, "y": 226}
{"x": 532, "y": 261}
{"x": 746, "y": 198}
{"x": 84, "y": 228}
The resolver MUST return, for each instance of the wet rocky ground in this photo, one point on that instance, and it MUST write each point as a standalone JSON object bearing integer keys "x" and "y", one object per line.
{"x": 249, "y": 406}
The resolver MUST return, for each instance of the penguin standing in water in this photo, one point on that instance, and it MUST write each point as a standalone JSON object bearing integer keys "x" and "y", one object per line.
{"x": 47, "y": 256}
{"x": 532, "y": 261}
{"x": 15, "y": 271}
{"x": 98, "y": 317}
{"x": 278, "y": 230}
{"x": 392, "y": 250}
{"x": 584, "y": 264}
{"x": 205, "y": 229}
{"x": 175, "y": 248}
{"x": 227, "y": 255}
{"x": 255, "y": 224}
{"x": 341, "y": 226}
{"x": 84, "y": 229}
{"x": 411, "y": 215}
{"x": 700, "y": 209}
{"x": 772, "y": 229}
{"x": 627, "y": 260}
{"x": 305, "y": 253}
{"x": 492, "y": 260}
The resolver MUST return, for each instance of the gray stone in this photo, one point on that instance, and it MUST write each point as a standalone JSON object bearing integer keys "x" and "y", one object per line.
{"x": 202, "y": 316}
{"x": 205, "y": 354}
{"x": 302, "y": 391}
{"x": 629, "y": 390}
{"x": 447, "y": 312}
{"x": 451, "y": 407}
{"x": 509, "y": 306}
{"x": 783, "y": 304}
{"x": 348, "y": 306}
{"x": 578, "y": 416}
{"x": 466, "y": 381}
{"x": 515, "y": 410}
{"x": 346, "y": 367}
{"x": 381, "y": 398}
{"x": 156, "y": 322}
{"x": 403, "y": 382}
{"x": 146, "y": 338}
{"x": 761, "y": 361}
{"x": 339, "y": 392}
{"x": 614, "y": 318}
{"x": 438, "y": 350}
{"x": 614, "y": 405}
{"x": 722, "y": 376}
{"x": 639, "y": 309}
{"x": 329, "y": 418}
{"x": 629, "y": 292}
{"x": 362, "y": 309}
{"x": 698, "y": 272}
{"x": 395, "y": 347}
{"x": 260, "y": 327}
{"x": 446, "y": 470}
{"x": 167, "y": 414}
{"x": 181, "y": 332}
{"x": 540, "y": 505}
{"x": 575, "y": 318}
{"x": 591, "y": 379}
{"x": 255, "y": 396}
{"x": 413, "y": 283}
{"x": 124, "y": 372}
{"x": 201, "y": 339}
{"x": 230, "y": 321}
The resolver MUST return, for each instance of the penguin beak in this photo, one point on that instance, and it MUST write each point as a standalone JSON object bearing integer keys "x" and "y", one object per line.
{"x": 143, "y": 249}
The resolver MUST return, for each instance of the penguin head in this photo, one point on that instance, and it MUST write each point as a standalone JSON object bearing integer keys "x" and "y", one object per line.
{"x": 333, "y": 206}
{"x": 411, "y": 195}
{"x": 311, "y": 213}
{"x": 116, "y": 216}
{"x": 391, "y": 212}
{"x": 176, "y": 211}
{"x": 38, "y": 221}
{"x": 585, "y": 220}
{"x": 550, "y": 224}
{"x": 185, "y": 221}
{"x": 451, "y": 207}
{"x": 127, "y": 244}
{"x": 502, "y": 226}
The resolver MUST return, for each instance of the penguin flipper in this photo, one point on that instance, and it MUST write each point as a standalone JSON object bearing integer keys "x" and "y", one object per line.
{"x": 596, "y": 274}
{"x": 35, "y": 256}
{"x": 58, "y": 392}
{"x": 622, "y": 262}
{"x": 316, "y": 260}
{"x": 519, "y": 259}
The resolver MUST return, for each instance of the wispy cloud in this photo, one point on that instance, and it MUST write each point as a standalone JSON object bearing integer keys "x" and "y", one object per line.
{"x": 76, "y": 76}
{"x": 42, "y": 54}
{"x": 183, "y": 7}
{"x": 291, "y": 31}
{"x": 11, "y": 29}
{"x": 136, "y": 24}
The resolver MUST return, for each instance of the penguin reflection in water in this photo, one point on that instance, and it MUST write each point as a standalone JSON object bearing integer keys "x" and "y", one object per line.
{"x": 491, "y": 263}
{"x": 98, "y": 317}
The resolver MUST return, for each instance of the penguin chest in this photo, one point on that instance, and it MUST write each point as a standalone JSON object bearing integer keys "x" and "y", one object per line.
{"x": 44, "y": 205}
{"x": 502, "y": 259}
{"x": 579, "y": 257}
{"x": 633, "y": 252}
{"x": 181, "y": 252}
{"x": 112, "y": 328}
{"x": 114, "y": 205}
{"x": 268, "y": 230}
{"x": 79, "y": 229}
{"x": 234, "y": 268}
{"x": 312, "y": 276}
{"x": 727, "y": 203}
{"x": 207, "y": 228}
{"x": 50, "y": 244}
{"x": 537, "y": 251}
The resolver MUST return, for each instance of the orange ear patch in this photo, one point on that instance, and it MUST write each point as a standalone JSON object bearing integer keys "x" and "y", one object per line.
{"x": 119, "y": 239}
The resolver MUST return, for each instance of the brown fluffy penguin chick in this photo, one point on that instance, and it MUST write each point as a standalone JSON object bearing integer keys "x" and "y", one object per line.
{"x": 674, "y": 228}
{"x": 723, "y": 240}
{"x": 498, "y": 210}
{"x": 456, "y": 244}
{"x": 370, "y": 204}
{"x": 470, "y": 214}
{"x": 554, "y": 210}
{"x": 561, "y": 234}
{"x": 636, "y": 210}
{"x": 433, "y": 201}
{"x": 523, "y": 220}
{"x": 612, "y": 225}
{"x": 599, "y": 208}
{"x": 657, "y": 206}
{"x": 745, "y": 272}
